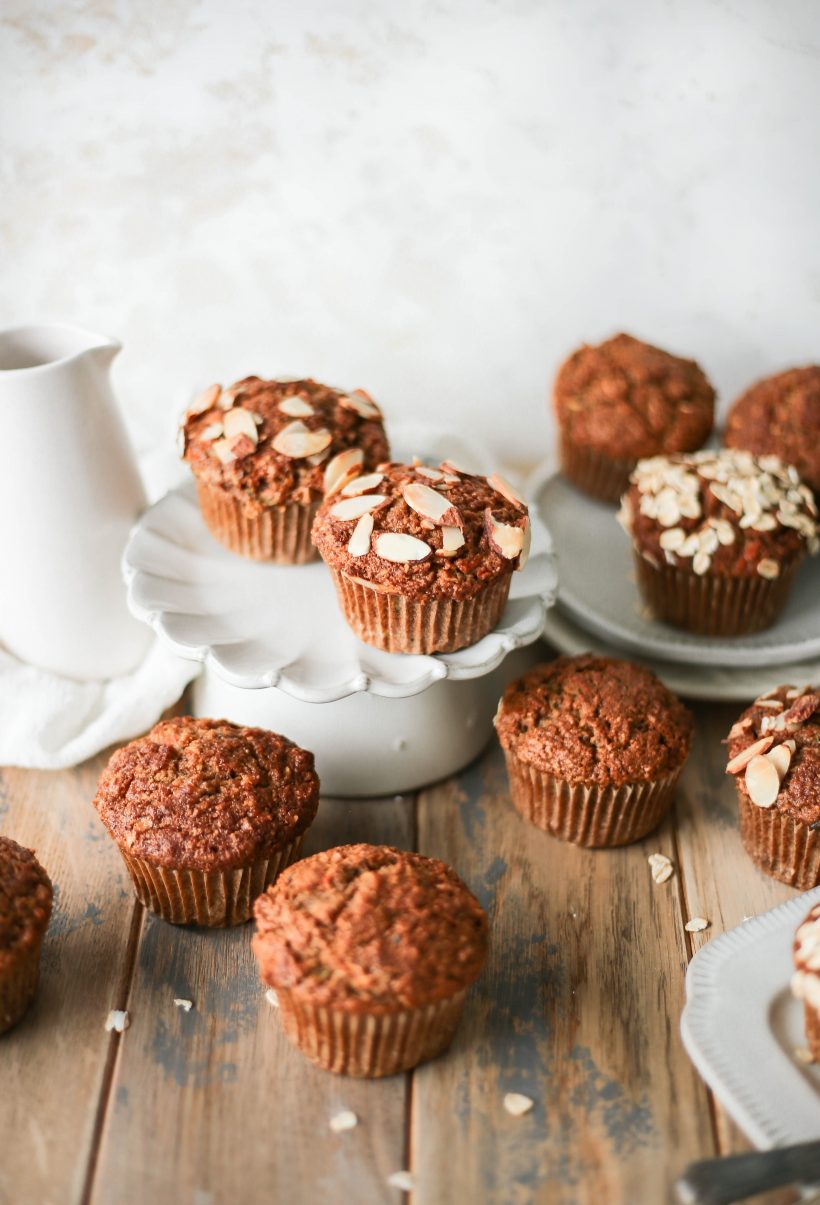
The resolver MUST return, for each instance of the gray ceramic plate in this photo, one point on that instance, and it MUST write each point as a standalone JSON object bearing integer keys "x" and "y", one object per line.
{"x": 596, "y": 587}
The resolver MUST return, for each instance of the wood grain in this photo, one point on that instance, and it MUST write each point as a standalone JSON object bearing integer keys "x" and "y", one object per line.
{"x": 55, "y": 1064}
{"x": 215, "y": 1105}
{"x": 578, "y": 1009}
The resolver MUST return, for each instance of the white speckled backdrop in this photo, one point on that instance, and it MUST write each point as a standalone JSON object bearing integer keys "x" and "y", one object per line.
{"x": 433, "y": 200}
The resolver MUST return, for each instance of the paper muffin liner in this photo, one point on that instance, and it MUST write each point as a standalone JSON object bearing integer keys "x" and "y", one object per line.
{"x": 781, "y": 846}
{"x": 369, "y": 1045}
{"x": 812, "y": 1024}
{"x": 212, "y": 898}
{"x": 711, "y": 604}
{"x": 604, "y": 477}
{"x": 405, "y": 625}
{"x": 277, "y": 533}
{"x": 18, "y": 985}
{"x": 589, "y": 814}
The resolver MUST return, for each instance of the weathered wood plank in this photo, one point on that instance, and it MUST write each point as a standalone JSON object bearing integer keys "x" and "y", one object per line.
{"x": 578, "y": 1008}
{"x": 720, "y": 882}
{"x": 54, "y": 1065}
{"x": 215, "y": 1105}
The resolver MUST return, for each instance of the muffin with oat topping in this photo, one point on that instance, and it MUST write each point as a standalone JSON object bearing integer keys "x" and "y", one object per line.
{"x": 806, "y": 978}
{"x": 774, "y": 755}
{"x": 594, "y": 747}
{"x": 422, "y": 558}
{"x": 370, "y": 950}
{"x": 624, "y": 400}
{"x": 25, "y": 908}
{"x": 263, "y": 454}
{"x": 780, "y": 416}
{"x": 206, "y": 814}
{"x": 718, "y": 538}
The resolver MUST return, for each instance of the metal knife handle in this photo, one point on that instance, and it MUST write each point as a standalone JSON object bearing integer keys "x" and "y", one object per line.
{"x": 736, "y": 1177}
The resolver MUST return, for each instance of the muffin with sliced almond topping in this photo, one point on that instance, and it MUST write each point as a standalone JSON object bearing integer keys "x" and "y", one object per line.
{"x": 422, "y": 557}
{"x": 264, "y": 453}
{"x": 624, "y": 400}
{"x": 774, "y": 756}
{"x": 806, "y": 978}
{"x": 26, "y": 897}
{"x": 718, "y": 538}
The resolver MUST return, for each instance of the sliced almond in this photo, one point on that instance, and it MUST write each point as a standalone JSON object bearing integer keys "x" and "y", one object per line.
{"x": 212, "y": 431}
{"x": 803, "y": 709}
{"x": 700, "y": 563}
{"x": 359, "y": 542}
{"x": 399, "y": 547}
{"x": 739, "y": 727}
{"x": 205, "y": 400}
{"x": 772, "y": 704}
{"x": 239, "y": 422}
{"x": 296, "y": 407}
{"x": 503, "y": 487}
{"x": 525, "y": 551}
{"x": 431, "y": 474}
{"x": 353, "y": 508}
{"x": 762, "y": 781}
{"x": 223, "y": 452}
{"x": 672, "y": 539}
{"x": 452, "y": 538}
{"x": 504, "y": 539}
{"x": 242, "y": 446}
{"x": 780, "y": 757}
{"x": 362, "y": 403}
{"x": 344, "y": 1120}
{"x": 297, "y": 442}
{"x": 696, "y": 925}
{"x": 343, "y": 466}
{"x": 742, "y": 759}
{"x": 768, "y": 568}
{"x": 450, "y": 466}
{"x": 429, "y": 503}
{"x": 360, "y": 485}
{"x": 516, "y": 1103}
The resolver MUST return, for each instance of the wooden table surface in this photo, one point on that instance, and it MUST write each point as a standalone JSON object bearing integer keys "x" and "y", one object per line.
{"x": 578, "y": 1008}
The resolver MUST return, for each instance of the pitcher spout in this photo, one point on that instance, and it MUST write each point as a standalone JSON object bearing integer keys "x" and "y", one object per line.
{"x": 36, "y": 348}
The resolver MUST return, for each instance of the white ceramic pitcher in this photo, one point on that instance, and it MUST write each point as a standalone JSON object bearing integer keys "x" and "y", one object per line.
{"x": 69, "y": 493}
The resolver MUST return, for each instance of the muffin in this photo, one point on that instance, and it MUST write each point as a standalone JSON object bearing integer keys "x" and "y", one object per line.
{"x": 780, "y": 416}
{"x": 806, "y": 978}
{"x": 774, "y": 755}
{"x": 370, "y": 951}
{"x": 422, "y": 558}
{"x": 206, "y": 814}
{"x": 263, "y": 454}
{"x": 622, "y": 401}
{"x": 25, "y": 908}
{"x": 718, "y": 538}
{"x": 594, "y": 747}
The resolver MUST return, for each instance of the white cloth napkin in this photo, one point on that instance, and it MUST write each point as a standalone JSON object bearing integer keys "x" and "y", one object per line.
{"x": 48, "y": 722}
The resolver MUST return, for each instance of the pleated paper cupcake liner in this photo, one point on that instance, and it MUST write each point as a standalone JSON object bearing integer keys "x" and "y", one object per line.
{"x": 784, "y": 848}
{"x": 589, "y": 814}
{"x": 712, "y": 605}
{"x": 812, "y": 1019}
{"x": 18, "y": 986}
{"x": 369, "y": 1045}
{"x": 278, "y": 533}
{"x": 602, "y": 476}
{"x": 212, "y": 898}
{"x": 405, "y": 625}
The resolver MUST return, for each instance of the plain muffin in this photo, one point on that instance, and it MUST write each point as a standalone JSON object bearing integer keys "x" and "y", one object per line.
{"x": 205, "y": 814}
{"x": 774, "y": 756}
{"x": 717, "y": 538}
{"x": 624, "y": 400}
{"x": 780, "y": 416}
{"x": 370, "y": 950}
{"x": 422, "y": 558}
{"x": 263, "y": 454}
{"x": 594, "y": 747}
{"x": 26, "y": 896}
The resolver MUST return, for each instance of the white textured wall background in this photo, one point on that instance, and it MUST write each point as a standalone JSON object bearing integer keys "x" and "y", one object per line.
{"x": 435, "y": 200}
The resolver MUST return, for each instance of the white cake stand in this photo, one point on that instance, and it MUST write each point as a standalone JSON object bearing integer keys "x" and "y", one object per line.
{"x": 277, "y": 653}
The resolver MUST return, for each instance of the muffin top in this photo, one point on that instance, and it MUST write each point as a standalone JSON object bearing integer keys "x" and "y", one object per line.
{"x": 725, "y": 512}
{"x": 206, "y": 794}
{"x": 591, "y": 719}
{"x": 25, "y": 900}
{"x": 369, "y": 928}
{"x": 420, "y": 531}
{"x": 272, "y": 442}
{"x": 781, "y": 415}
{"x": 774, "y": 752}
{"x": 628, "y": 399}
{"x": 806, "y": 950}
